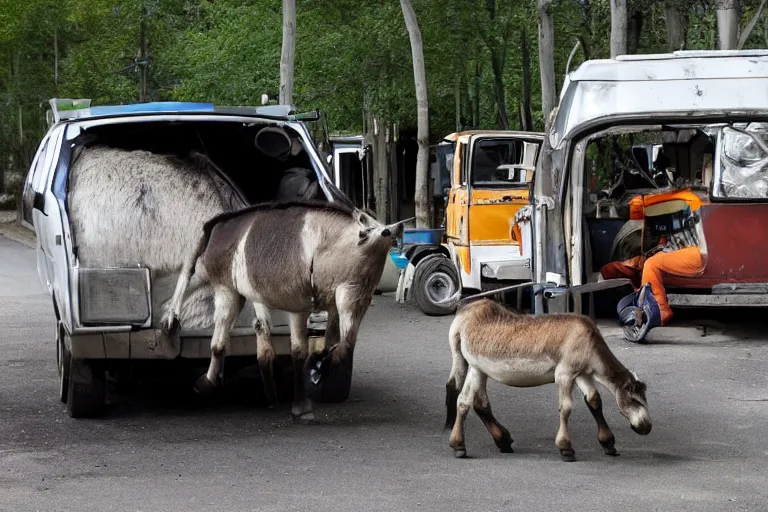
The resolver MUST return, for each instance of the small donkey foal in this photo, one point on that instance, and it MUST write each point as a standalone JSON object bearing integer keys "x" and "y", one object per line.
{"x": 488, "y": 340}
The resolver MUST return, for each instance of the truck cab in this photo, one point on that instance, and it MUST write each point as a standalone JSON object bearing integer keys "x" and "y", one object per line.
{"x": 636, "y": 132}
{"x": 489, "y": 174}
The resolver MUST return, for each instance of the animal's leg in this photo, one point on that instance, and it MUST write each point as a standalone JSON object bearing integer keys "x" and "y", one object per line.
{"x": 565, "y": 383}
{"x": 351, "y": 306}
{"x": 482, "y": 406}
{"x": 227, "y": 306}
{"x": 458, "y": 374}
{"x": 170, "y": 324}
{"x": 466, "y": 398}
{"x": 302, "y": 405}
{"x": 595, "y": 404}
{"x": 265, "y": 351}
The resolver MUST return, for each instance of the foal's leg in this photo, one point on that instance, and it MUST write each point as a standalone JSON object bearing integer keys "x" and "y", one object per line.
{"x": 302, "y": 405}
{"x": 565, "y": 383}
{"x": 482, "y": 406}
{"x": 227, "y": 305}
{"x": 595, "y": 404}
{"x": 466, "y": 398}
{"x": 265, "y": 351}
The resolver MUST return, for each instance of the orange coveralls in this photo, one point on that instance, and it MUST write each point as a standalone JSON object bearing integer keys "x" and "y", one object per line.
{"x": 682, "y": 262}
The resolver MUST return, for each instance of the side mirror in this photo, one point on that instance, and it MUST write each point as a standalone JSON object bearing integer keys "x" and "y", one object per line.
{"x": 38, "y": 202}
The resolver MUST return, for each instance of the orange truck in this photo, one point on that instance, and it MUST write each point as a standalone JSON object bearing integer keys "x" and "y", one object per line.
{"x": 476, "y": 250}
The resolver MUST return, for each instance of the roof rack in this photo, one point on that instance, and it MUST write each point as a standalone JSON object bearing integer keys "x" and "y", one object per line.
{"x": 63, "y": 109}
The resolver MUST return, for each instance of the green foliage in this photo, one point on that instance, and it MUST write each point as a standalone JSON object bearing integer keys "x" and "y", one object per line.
{"x": 351, "y": 56}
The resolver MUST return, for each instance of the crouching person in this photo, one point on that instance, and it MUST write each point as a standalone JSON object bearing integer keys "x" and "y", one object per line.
{"x": 680, "y": 251}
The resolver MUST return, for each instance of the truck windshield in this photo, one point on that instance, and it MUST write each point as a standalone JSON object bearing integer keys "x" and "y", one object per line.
{"x": 493, "y": 161}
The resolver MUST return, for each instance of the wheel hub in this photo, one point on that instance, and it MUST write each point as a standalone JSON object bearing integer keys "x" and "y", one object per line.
{"x": 439, "y": 287}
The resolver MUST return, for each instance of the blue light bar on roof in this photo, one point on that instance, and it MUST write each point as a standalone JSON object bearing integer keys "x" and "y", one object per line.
{"x": 82, "y": 109}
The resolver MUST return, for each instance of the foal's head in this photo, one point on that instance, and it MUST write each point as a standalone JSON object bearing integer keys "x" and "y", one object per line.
{"x": 633, "y": 404}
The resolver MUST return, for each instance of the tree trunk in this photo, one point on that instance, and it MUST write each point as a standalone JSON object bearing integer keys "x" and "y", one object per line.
{"x": 457, "y": 101}
{"x": 677, "y": 26}
{"x": 55, "y": 62}
{"x": 380, "y": 171}
{"x": 420, "y": 79}
{"x": 727, "y": 23}
{"x": 143, "y": 58}
{"x": 497, "y": 65}
{"x": 618, "y": 28}
{"x": 288, "y": 56}
{"x": 526, "y": 118}
{"x": 476, "y": 110}
{"x": 750, "y": 26}
{"x": 547, "y": 59}
{"x": 634, "y": 30}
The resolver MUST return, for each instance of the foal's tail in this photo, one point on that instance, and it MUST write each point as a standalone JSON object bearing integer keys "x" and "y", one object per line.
{"x": 171, "y": 324}
{"x": 458, "y": 372}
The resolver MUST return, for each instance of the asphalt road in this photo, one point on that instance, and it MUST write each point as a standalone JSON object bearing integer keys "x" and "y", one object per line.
{"x": 384, "y": 449}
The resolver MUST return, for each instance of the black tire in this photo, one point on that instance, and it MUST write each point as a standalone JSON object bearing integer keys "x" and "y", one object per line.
{"x": 434, "y": 279}
{"x": 86, "y": 390}
{"x": 335, "y": 387}
{"x": 63, "y": 358}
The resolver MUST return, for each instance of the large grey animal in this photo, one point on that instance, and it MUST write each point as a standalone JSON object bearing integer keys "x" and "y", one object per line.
{"x": 297, "y": 257}
{"x": 142, "y": 208}
{"x": 137, "y": 207}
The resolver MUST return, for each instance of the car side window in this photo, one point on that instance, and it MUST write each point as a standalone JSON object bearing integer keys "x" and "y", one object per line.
{"x": 33, "y": 182}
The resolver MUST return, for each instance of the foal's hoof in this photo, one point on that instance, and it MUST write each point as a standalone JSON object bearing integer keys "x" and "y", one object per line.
{"x": 506, "y": 448}
{"x": 568, "y": 455}
{"x": 608, "y": 447}
{"x": 204, "y": 386}
{"x": 460, "y": 453}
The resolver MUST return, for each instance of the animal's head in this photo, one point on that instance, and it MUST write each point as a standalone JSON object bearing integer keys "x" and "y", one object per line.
{"x": 376, "y": 236}
{"x": 633, "y": 405}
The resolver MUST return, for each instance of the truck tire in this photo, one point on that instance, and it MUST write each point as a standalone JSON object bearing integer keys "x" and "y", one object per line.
{"x": 86, "y": 390}
{"x": 435, "y": 279}
{"x": 335, "y": 387}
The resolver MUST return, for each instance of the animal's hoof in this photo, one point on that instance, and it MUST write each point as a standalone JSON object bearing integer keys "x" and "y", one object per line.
{"x": 608, "y": 447}
{"x": 171, "y": 327}
{"x": 204, "y": 386}
{"x": 460, "y": 453}
{"x": 506, "y": 448}
{"x": 568, "y": 455}
{"x": 306, "y": 418}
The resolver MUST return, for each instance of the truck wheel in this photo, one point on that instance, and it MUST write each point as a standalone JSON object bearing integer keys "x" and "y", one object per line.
{"x": 63, "y": 358}
{"x": 435, "y": 279}
{"x": 86, "y": 390}
{"x": 335, "y": 386}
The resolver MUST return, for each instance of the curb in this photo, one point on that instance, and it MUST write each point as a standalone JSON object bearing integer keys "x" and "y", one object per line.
{"x": 18, "y": 234}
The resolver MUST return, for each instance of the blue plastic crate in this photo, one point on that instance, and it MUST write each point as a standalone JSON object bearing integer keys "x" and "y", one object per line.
{"x": 423, "y": 236}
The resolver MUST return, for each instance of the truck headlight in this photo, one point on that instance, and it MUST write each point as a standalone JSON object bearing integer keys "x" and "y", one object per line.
{"x": 114, "y": 295}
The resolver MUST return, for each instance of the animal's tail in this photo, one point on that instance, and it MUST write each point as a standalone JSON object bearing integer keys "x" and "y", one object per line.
{"x": 171, "y": 324}
{"x": 458, "y": 371}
